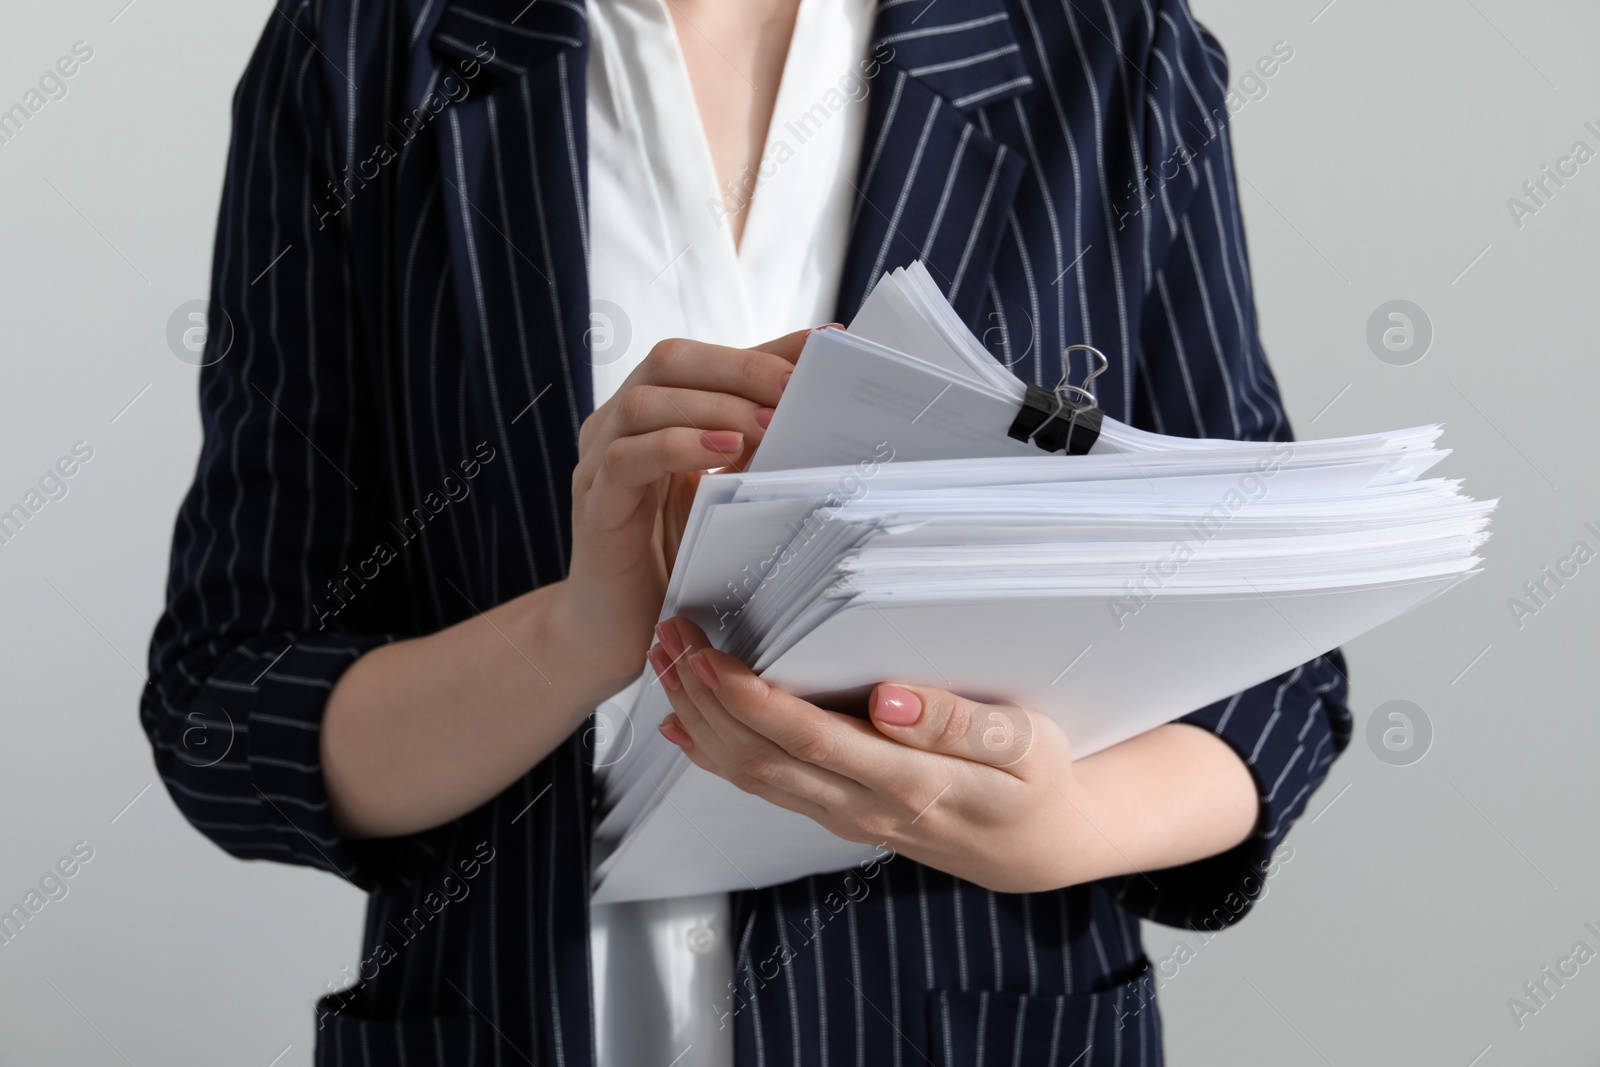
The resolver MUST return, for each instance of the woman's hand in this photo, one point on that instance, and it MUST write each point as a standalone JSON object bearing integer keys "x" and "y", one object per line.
{"x": 988, "y": 793}
{"x": 687, "y": 408}
{"x": 421, "y": 731}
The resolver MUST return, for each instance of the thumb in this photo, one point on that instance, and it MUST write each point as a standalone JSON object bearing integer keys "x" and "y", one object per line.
{"x": 938, "y": 721}
{"x": 789, "y": 345}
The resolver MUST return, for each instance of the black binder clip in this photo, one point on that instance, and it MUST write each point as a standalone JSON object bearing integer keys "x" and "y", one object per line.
{"x": 1067, "y": 418}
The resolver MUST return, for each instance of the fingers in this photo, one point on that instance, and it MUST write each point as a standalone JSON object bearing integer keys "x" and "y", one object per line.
{"x": 755, "y": 374}
{"x": 640, "y": 410}
{"x": 688, "y": 383}
{"x": 643, "y": 408}
{"x": 631, "y": 465}
{"x": 726, "y": 746}
{"x": 789, "y": 345}
{"x": 921, "y": 718}
{"x": 840, "y": 744}
{"x": 937, "y": 721}
{"x": 699, "y": 756}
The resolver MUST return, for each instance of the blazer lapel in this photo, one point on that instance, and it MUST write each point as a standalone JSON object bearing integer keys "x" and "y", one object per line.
{"x": 932, "y": 184}
{"x": 512, "y": 152}
{"x": 513, "y": 164}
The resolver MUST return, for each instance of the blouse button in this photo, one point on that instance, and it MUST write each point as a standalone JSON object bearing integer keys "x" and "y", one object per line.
{"x": 701, "y": 938}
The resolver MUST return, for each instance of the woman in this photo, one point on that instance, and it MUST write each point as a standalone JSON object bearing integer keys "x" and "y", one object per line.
{"x": 451, "y": 429}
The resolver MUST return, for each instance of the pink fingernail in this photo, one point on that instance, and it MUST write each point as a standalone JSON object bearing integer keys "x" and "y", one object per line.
{"x": 727, "y": 442}
{"x": 667, "y": 634}
{"x": 764, "y": 417}
{"x": 783, "y": 383}
{"x": 669, "y": 729}
{"x": 894, "y": 706}
{"x": 664, "y": 668}
{"x": 704, "y": 671}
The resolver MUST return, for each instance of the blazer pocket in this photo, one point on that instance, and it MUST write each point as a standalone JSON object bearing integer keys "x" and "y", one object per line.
{"x": 1117, "y": 1025}
{"x": 426, "y": 1041}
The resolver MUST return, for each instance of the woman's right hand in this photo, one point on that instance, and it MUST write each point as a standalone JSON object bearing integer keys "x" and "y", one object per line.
{"x": 687, "y": 408}
{"x": 421, "y": 731}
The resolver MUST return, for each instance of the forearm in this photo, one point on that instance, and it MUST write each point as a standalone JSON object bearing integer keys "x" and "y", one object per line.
{"x": 1165, "y": 798}
{"x": 419, "y": 732}
{"x": 422, "y": 731}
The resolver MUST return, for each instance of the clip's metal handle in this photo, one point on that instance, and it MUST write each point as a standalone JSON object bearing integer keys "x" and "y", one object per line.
{"x": 1083, "y": 391}
{"x": 1090, "y": 402}
{"x": 1039, "y": 421}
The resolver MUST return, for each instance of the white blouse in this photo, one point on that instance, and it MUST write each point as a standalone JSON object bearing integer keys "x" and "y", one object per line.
{"x": 663, "y": 264}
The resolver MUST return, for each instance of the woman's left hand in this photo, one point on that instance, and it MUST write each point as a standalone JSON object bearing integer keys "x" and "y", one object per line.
{"x": 984, "y": 792}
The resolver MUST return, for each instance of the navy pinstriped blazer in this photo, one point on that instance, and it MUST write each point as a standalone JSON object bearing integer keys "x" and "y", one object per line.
{"x": 399, "y": 316}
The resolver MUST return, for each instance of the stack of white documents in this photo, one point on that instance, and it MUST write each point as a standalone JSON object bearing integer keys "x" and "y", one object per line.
{"x": 890, "y": 529}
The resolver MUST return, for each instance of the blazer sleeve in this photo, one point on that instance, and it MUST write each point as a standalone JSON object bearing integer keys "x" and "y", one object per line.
{"x": 1202, "y": 372}
{"x": 246, "y": 652}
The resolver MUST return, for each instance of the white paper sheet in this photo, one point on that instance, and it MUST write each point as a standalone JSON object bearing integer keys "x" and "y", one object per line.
{"x": 890, "y": 530}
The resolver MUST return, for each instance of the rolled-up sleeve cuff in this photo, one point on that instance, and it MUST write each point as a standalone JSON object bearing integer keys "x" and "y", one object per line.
{"x": 1288, "y": 731}
{"x": 285, "y": 726}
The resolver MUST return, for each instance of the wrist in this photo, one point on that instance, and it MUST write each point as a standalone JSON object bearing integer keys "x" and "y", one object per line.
{"x": 1086, "y": 833}
{"x": 597, "y": 664}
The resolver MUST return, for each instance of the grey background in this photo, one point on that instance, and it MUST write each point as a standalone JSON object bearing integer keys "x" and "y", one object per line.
{"x": 1376, "y": 167}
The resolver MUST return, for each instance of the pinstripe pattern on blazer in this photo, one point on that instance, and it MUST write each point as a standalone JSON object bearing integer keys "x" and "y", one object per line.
{"x": 388, "y": 445}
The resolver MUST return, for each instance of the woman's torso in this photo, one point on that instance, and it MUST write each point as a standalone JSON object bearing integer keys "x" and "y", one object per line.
{"x": 1001, "y": 143}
